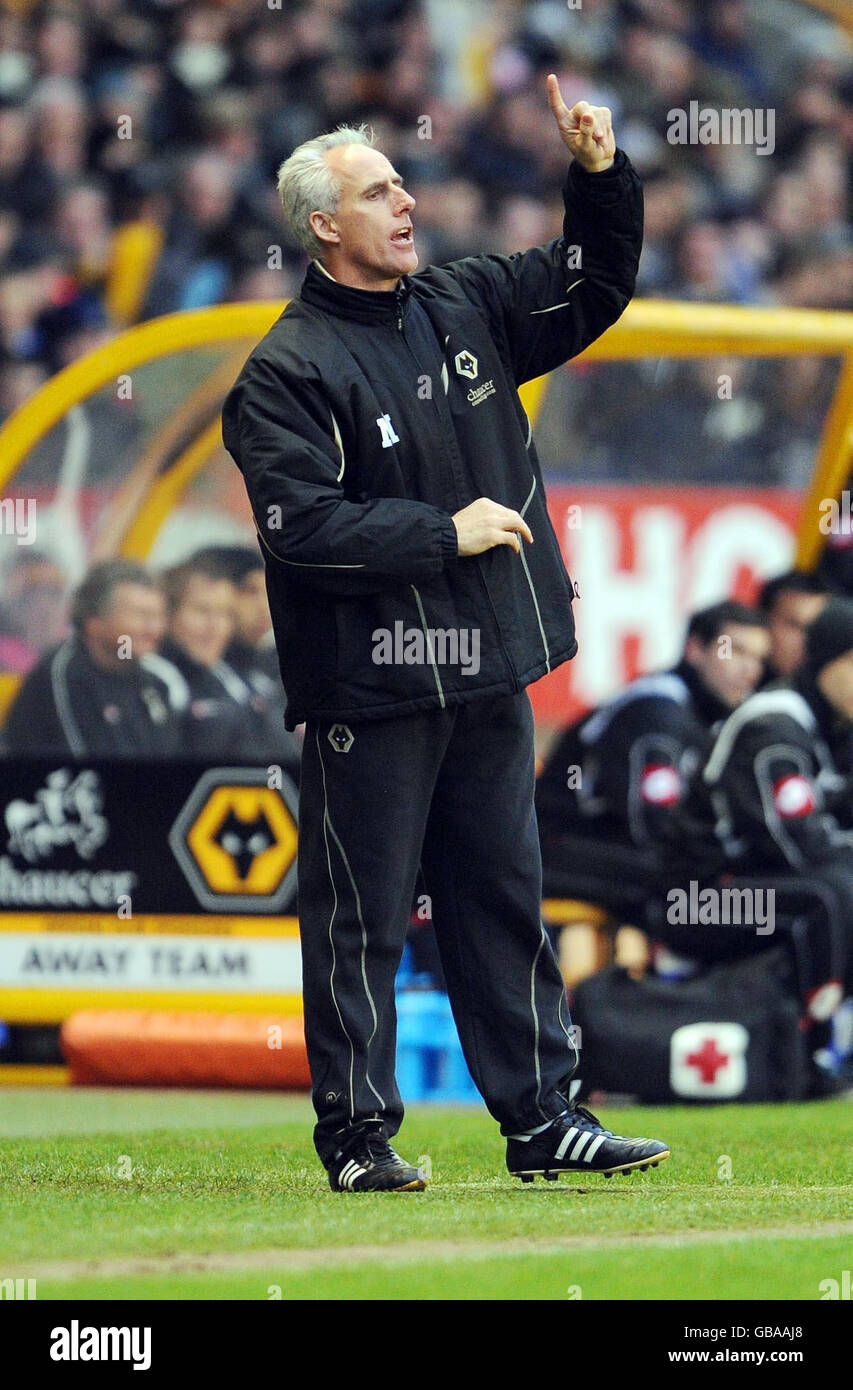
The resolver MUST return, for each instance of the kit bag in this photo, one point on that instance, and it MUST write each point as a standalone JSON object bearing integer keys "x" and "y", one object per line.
{"x": 730, "y": 1034}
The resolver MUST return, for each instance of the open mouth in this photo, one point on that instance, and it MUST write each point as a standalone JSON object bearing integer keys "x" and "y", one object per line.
{"x": 404, "y": 237}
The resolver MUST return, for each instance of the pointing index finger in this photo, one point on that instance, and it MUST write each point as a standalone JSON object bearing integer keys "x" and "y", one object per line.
{"x": 555, "y": 97}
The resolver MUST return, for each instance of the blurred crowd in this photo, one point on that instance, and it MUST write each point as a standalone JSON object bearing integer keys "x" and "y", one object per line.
{"x": 139, "y": 141}
{"x": 148, "y": 665}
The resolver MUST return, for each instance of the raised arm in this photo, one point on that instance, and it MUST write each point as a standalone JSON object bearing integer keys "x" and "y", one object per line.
{"x": 549, "y": 303}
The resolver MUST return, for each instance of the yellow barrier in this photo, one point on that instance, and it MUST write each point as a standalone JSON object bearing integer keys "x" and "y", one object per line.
{"x": 33, "y": 1074}
{"x": 648, "y": 328}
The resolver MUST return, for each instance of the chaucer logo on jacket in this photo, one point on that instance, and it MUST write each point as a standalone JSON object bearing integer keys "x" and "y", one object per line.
{"x": 708, "y": 1060}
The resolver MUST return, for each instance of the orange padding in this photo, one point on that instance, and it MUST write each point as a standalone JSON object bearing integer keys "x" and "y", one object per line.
{"x": 138, "y": 1047}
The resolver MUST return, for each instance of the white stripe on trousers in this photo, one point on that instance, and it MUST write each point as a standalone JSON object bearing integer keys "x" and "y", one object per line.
{"x": 331, "y": 941}
{"x": 357, "y": 897}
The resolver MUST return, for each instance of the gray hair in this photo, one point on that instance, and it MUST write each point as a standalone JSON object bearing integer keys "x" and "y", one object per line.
{"x": 306, "y": 184}
{"x": 94, "y": 596}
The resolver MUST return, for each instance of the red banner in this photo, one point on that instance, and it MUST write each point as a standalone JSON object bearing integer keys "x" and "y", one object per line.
{"x": 642, "y": 559}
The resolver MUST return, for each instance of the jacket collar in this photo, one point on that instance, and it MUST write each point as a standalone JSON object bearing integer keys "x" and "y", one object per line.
{"x": 189, "y": 668}
{"x": 707, "y": 706}
{"x": 129, "y": 671}
{"x": 366, "y": 306}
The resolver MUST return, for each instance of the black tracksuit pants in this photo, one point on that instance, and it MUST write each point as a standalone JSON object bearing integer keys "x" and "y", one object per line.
{"x": 451, "y": 790}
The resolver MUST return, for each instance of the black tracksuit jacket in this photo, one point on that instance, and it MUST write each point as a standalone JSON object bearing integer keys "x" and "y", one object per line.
{"x": 69, "y": 704}
{"x": 778, "y": 784}
{"x": 363, "y": 420}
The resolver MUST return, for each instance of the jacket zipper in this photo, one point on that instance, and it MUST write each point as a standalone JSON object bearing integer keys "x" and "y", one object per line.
{"x": 476, "y": 558}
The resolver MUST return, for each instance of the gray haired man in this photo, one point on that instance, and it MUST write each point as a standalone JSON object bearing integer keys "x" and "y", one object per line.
{"x": 394, "y": 480}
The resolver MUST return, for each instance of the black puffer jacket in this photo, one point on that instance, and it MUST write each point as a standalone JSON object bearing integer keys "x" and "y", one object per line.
{"x": 71, "y": 705}
{"x": 777, "y": 783}
{"x": 364, "y": 420}
{"x": 621, "y": 772}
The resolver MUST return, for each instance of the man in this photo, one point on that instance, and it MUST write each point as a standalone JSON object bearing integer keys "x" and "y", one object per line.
{"x": 92, "y": 695}
{"x": 609, "y": 795}
{"x": 776, "y": 787}
{"x": 790, "y": 601}
{"x": 250, "y": 656}
{"x": 210, "y": 698}
{"x": 416, "y": 587}
{"x": 33, "y": 611}
{"x": 243, "y": 567}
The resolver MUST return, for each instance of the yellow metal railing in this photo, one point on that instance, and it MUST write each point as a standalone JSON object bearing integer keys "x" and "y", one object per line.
{"x": 648, "y": 328}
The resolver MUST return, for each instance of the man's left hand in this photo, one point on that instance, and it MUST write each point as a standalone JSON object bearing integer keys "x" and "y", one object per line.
{"x": 586, "y": 130}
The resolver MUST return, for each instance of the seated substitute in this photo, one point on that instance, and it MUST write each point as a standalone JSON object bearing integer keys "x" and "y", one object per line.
{"x": 776, "y": 788}
{"x": 790, "y": 602}
{"x": 92, "y": 696}
{"x": 209, "y": 697}
{"x": 252, "y": 656}
{"x": 607, "y": 796}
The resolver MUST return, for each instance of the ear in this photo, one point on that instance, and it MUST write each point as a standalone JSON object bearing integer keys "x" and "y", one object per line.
{"x": 821, "y": 683}
{"x": 693, "y": 651}
{"x": 323, "y": 227}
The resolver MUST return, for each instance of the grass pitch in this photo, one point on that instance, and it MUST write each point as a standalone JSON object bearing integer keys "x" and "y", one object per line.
{"x": 119, "y": 1194}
